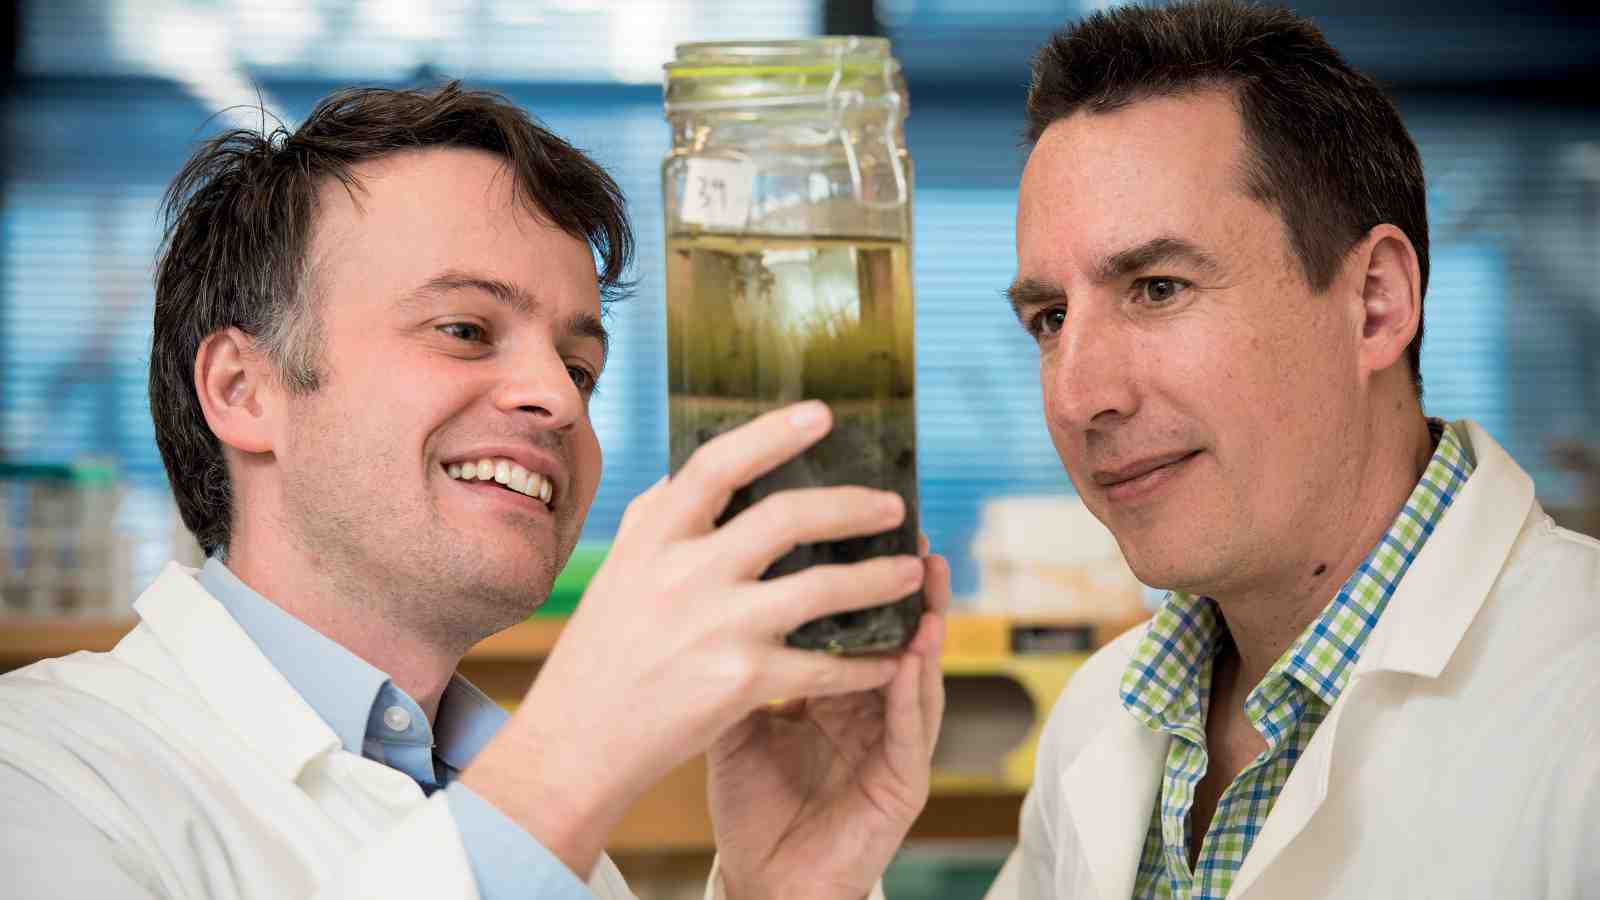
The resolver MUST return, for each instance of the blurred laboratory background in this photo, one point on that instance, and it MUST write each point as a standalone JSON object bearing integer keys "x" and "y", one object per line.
{"x": 104, "y": 100}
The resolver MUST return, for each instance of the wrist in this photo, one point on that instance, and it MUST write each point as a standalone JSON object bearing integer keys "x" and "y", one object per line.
{"x": 756, "y": 889}
{"x": 570, "y": 810}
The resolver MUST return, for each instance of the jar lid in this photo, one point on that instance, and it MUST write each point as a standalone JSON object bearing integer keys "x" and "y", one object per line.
{"x": 825, "y": 71}
{"x": 708, "y": 58}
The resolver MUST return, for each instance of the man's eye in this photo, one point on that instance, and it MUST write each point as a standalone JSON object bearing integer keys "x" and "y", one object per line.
{"x": 1048, "y": 322}
{"x": 1160, "y": 290}
{"x": 581, "y": 377}
{"x": 466, "y": 331}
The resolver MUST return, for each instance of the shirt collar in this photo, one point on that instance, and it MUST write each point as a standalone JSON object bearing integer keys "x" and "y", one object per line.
{"x": 466, "y": 722}
{"x": 346, "y": 691}
{"x": 1173, "y": 660}
{"x": 1168, "y": 679}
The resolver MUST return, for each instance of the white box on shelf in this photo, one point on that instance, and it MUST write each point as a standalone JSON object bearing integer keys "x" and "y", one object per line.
{"x": 1049, "y": 557}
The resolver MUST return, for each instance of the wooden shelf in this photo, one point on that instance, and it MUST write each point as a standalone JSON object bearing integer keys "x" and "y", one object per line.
{"x": 24, "y": 639}
{"x": 530, "y": 640}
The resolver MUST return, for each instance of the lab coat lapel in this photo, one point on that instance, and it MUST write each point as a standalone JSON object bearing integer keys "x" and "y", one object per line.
{"x": 232, "y": 675}
{"x": 1301, "y": 797}
{"x": 1109, "y": 792}
{"x": 1447, "y": 584}
{"x": 243, "y": 688}
{"x": 270, "y": 735}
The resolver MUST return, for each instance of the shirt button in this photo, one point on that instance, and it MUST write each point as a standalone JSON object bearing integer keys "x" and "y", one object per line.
{"x": 396, "y": 718}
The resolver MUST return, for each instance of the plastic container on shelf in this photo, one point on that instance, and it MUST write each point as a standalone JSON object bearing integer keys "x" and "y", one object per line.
{"x": 61, "y": 552}
{"x": 1050, "y": 558}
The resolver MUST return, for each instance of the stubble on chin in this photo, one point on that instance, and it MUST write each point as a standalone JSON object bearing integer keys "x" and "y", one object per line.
{"x": 472, "y": 590}
{"x": 419, "y": 573}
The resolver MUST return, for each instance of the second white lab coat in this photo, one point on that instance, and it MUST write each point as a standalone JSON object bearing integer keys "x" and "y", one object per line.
{"x": 1461, "y": 760}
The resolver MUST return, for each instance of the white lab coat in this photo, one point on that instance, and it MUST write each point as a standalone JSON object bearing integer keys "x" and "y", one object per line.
{"x": 182, "y": 764}
{"x": 1462, "y": 759}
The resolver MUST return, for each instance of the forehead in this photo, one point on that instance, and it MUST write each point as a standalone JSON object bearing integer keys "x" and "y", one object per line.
{"x": 1096, "y": 183}
{"x": 413, "y": 214}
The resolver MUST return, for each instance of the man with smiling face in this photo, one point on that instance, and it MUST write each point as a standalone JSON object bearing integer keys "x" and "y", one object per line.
{"x": 1376, "y": 673}
{"x": 376, "y": 340}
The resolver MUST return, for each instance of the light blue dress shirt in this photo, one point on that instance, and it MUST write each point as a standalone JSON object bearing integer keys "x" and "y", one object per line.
{"x": 378, "y": 720}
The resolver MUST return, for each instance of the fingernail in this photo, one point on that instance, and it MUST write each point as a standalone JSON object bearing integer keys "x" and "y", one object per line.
{"x": 891, "y": 506}
{"x": 911, "y": 570}
{"x": 808, "y": 415}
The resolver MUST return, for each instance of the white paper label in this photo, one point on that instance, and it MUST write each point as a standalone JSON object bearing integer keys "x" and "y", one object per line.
{"x": 716, "y": 193}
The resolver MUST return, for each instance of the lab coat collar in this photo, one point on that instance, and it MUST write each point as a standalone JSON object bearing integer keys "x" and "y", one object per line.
{"x": 1453, "y": 573}
{"x": 232, "y": 675}
{"x": 1109, "y": 790}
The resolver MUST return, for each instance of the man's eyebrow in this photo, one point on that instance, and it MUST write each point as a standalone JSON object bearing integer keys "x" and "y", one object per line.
{"x": 1027, "y": 293}
{"x": 579, "y": 324}
{"x": 453, "y": 280}
{"x": 582, "y": 324}
{"x": 1154, "y": 252}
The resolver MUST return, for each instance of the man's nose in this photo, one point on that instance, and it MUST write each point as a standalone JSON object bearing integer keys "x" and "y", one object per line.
{"x": 538, "y": 383}
{"x": 1090, "y": 376}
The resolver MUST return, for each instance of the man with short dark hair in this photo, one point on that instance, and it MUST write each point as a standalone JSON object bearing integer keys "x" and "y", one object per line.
{"x": 1375, "y": 673}
{"x": 376, "y": 339}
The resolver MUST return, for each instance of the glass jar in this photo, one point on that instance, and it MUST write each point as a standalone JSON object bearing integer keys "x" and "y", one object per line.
{"x": 788, "y": 229}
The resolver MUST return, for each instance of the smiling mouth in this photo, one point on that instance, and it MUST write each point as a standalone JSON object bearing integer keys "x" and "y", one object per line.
{"x": 506, "y": 474}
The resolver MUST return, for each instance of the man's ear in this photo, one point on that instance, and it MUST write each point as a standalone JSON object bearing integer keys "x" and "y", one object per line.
{"x": 238, "y": 391}
{"x": 1391, "y": 296}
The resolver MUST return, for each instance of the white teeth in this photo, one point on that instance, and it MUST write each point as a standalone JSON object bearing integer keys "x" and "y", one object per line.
{"x": 506, "y": 472}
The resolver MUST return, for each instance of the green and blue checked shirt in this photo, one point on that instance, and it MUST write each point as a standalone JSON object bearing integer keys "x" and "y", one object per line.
{"x": 1168, "y": 684}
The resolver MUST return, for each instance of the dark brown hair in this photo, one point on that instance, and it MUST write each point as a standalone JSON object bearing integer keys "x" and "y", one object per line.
{"x": 1325, "y": 147}
{"x": 239, "y": 220}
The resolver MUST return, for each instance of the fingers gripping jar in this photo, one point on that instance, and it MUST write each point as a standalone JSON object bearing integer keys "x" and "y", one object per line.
{"x": 788, "y": 221}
